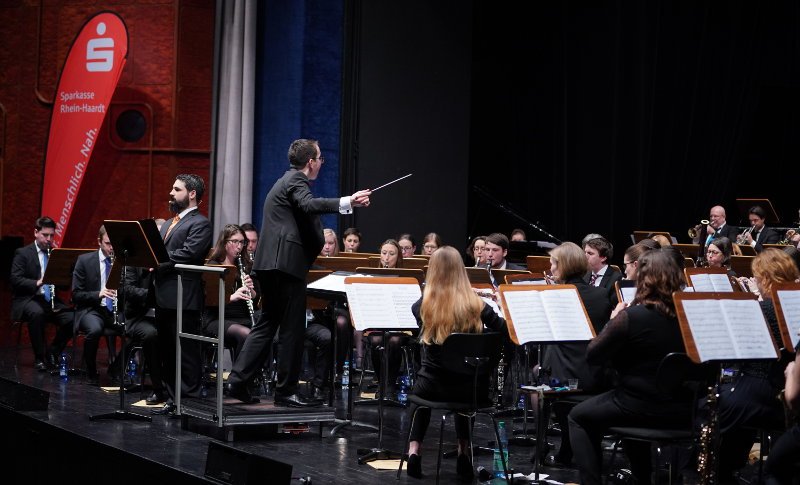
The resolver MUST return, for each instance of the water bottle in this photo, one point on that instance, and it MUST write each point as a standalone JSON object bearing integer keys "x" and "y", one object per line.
{"x": 521, "y": 402}
{"x": 132, "y": 369}
{"x": 63, "y": 368}
{"x": 402, "y": 393}
{"x": 497, "y": 462}
{"x": 346, "y": 374}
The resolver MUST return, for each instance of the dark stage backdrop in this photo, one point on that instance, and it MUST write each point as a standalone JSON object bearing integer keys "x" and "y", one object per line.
{"x": 618, "y": 116}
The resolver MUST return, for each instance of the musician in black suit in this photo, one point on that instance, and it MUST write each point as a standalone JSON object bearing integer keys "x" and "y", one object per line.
{"x": 496, "y": 250}
{"x": 95, "y": 304}
{"x": 760, "y": 234}
{"x": 36, "y": 303}
{"x": 598, "y": 251}
{"x": 718, "y": 226}
{"x": 187, "y": 238}
{"x": 566, "y": 361}
{"x": 291, "y": 239}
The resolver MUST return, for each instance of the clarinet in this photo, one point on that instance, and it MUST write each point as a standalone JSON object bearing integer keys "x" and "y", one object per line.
{"x": 249, "y": 301}
{"x": 115, "y": 300}
{"x": 52, "y": 287}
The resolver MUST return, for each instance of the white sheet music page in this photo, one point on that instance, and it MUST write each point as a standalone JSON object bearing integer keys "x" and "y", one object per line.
{"x": 628, "y": 294}
{"x": 567, "y": 318}
{"x": 790, "y": 304}
{"x": 709, "y": 331}
{"x": 711, "y": 282}
{"x": 378, "y": 306}
{"x": 751, "y": 335}
{"x": 720, "y": 282}
{"x": 332, "y": 282}
{"x": 528, "y": 316}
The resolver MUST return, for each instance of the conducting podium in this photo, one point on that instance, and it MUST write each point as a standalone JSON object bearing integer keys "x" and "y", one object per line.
{"x": 544, "y": 314}
{"x": 381, "y": 304}
{"x": 136, "y": 244}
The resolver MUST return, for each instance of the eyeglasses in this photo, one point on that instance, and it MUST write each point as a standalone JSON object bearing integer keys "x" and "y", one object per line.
{"x": 628, "y": 262}
{"x": 320, "y": 158}
{"x": 713, "y": 252}
{"x": 430, "y": 246}
{"x": 238, "y": 242}
{"x": 406, "y": 249}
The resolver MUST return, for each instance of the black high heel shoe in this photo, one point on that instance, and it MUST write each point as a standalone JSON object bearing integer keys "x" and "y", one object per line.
{"x": 414, "y": 466}
{"x": 464, "y": 468}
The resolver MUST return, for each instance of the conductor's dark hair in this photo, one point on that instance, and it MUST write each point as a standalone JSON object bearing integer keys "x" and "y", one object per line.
{"x": 193, "y": 182}
{"x": 757, "y": 210}
{"x": 43, "y": 222}
{"x": 498, "y": 239}
{"x": 301, "y": 151}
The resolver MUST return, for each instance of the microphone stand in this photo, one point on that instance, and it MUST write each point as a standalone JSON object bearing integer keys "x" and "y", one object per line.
{"x": 122, "y": 413}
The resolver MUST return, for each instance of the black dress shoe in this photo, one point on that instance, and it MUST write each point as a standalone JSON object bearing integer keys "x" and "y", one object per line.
{"x": 240, "y": 392}
{"x": 168, "y": 409}
{"x": 556, "y": 461}
{"x": 414, "y": 466}
{"x": 40, "y": 366}
{"x": 157, "y": 397}
{"x": 464, "y": 468}
{"x": 296, "y": 401}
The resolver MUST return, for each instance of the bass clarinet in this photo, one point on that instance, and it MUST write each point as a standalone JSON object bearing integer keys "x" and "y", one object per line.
{"x": 249, "y": 300}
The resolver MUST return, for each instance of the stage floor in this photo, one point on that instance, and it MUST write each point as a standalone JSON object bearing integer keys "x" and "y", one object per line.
{"x": 179, "y": 445}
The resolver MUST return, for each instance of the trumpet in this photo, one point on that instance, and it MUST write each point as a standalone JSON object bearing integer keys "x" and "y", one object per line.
{"x": 695, "y": 231}
{"x": 742, "y": 238}
{"x": 787, "y": 238}
{"x": 249, "y": 300}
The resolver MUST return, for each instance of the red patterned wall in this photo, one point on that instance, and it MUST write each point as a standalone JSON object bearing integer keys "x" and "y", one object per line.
{"x": 168, "y": 77}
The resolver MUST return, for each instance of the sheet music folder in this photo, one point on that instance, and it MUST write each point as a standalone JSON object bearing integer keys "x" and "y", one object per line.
{"x": 786, "y": 298}
{"x": 723, "y": 327}
{"x": 545, "y": 313}
{"x": 60, "y": 265}
{"x": 378, "y": 303}
{"x": 141, "y": 243}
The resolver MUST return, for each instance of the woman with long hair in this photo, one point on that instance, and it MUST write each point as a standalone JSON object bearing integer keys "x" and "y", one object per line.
{"x": 634, "y": 342}
{"x": 331, "y": 246}
{"x": 448, "y": 305}
{"x": 229, "y": 251}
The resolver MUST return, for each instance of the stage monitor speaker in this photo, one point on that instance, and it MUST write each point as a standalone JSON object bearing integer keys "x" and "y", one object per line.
{"x": 20, "y": 397}
{"x": 229, "y": 465}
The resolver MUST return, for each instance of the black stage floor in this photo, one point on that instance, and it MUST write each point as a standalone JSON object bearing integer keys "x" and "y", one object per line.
{"x": 62, "y": 442}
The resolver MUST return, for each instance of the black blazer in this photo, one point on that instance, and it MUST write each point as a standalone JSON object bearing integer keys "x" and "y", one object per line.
{"x": 767, "y": 236}
{"x": 728, "y": 231}
{"x": 86, "y": 280}
{"x": 25, "y": 272}
{"x": 291, "y": 232}
{"x": 188, "y": 243}
{"x": 607, "y": 281}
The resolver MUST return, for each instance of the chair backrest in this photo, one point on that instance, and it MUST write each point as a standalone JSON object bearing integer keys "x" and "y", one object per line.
{"x": 676, "y": 370}
{"x": 462, "y": 352}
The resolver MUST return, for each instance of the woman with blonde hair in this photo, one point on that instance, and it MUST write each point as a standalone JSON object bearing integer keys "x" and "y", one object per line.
{"x": 331, "y": 246}
{"x": 448, "y": 305}
{"x": 754, "y": 404}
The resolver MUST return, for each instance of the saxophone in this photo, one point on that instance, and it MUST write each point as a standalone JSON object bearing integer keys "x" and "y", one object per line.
{"x": 707, "y": 458}
{"x": 249, "y": 300}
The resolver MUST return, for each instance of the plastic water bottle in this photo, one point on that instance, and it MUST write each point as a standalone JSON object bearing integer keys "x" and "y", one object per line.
{"x": 521, "y": 402}
{"x": 497, "y": 462}
{"x": 346, "y": 374}
{"x": 132, "y": 369}
{"x": 402, "y": 393}
{"x": 63, "y": 368}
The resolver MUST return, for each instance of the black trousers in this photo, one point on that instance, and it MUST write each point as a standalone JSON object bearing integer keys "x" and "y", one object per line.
{"x": 284, "y": 310}
{"x": 783, "y": 464}
{"x": 142, "y": 332}
{"x": 320, "y": 337}
{"x": 588, "y": 422}
{"x": 93, "y": 323}
{"x": 191, "y": 351}
{"x": 451, "y": 390}
{"x": 37, "y": 312}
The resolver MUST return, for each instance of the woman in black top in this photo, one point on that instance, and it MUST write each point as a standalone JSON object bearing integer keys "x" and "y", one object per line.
{"x": 449, "y": 305}
{"x": 634, "y": 342}
{"x": 229, "y": 251}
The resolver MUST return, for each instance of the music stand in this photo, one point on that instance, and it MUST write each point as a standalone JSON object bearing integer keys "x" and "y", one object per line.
{"x": 639, "y": 236}
{"x": 60, "y": 266}
{"x": 744, "y": 205}
{"x": 137, "y": 244}
{"x": 381, "y": 304}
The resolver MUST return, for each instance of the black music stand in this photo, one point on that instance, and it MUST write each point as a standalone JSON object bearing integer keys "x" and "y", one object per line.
{"x": 744, "y": 205}
{"x": 137, "y": 244}
{"x": 60, "y": 267}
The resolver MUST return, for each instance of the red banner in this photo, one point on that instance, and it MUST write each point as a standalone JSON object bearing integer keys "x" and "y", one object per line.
{"x": 93, "y": 67}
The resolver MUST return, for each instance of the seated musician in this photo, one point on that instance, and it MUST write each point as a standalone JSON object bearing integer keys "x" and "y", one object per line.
{"x": 448, "y": 305}
{"x": 331, "y": 246}
{"x": 598, "y": 251}
{"x": 784, "y": 454}
{"x": 430, "y": 243}
{"x": 229, "y": 251}
{"x": 251, "y": 233}
{"x": 475, "y": 253}
{"x": 391, "y": 257}
{"x": 718, "y": 254}
{"x": 717, "y": 227}
{"x": 496, "y": 251}
{"x": 631, "y": 260}
{"x": 518, "y": 235}
{"x": 758, "y": 233}
{"x": 754, "y": 404}
{"x": 634, "y": 342}
{"x": 566, "y": 361}
{"x": 408, "y": 247}
{"x": 351, "y": 240}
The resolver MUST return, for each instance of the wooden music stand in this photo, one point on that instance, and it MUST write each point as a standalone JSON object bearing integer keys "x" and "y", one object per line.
{"x": 745, "y": 249}
{"x": 744, "y": 205}
{"x": 639, "y": 236}
{"x": 538, "y": 264}
{"x": 417, "y": 274}
{"x": 313, "y": 302}
{"x": 343, "y": 254}
{"x": 415, "y": 263}
{"x": 786, "y": 298}
{"x": 211, "y": 283}
{"x": 742, "y": 265}
{"x": 382, "y": 304}
{"x": 339, "y": 263}
{"x": 776, "y": 246}
{"x": 626, "y": 290}
{"x": 479, "y": 278}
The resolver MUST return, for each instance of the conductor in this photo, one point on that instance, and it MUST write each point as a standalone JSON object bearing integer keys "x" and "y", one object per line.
{"x": 290, "y": 240}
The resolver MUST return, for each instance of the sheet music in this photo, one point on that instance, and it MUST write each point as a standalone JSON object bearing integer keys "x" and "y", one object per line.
{"x": 729, "y": 329}
{"x": 711, "y": 282}
{"x": 790, "y": 304}
{"x": 333, "y": 282}
{"x": 376, "y": 306}
{"x": 540, "y": 281}
{"x": 547, "y": 316}
{"x": 628, "y": 294}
